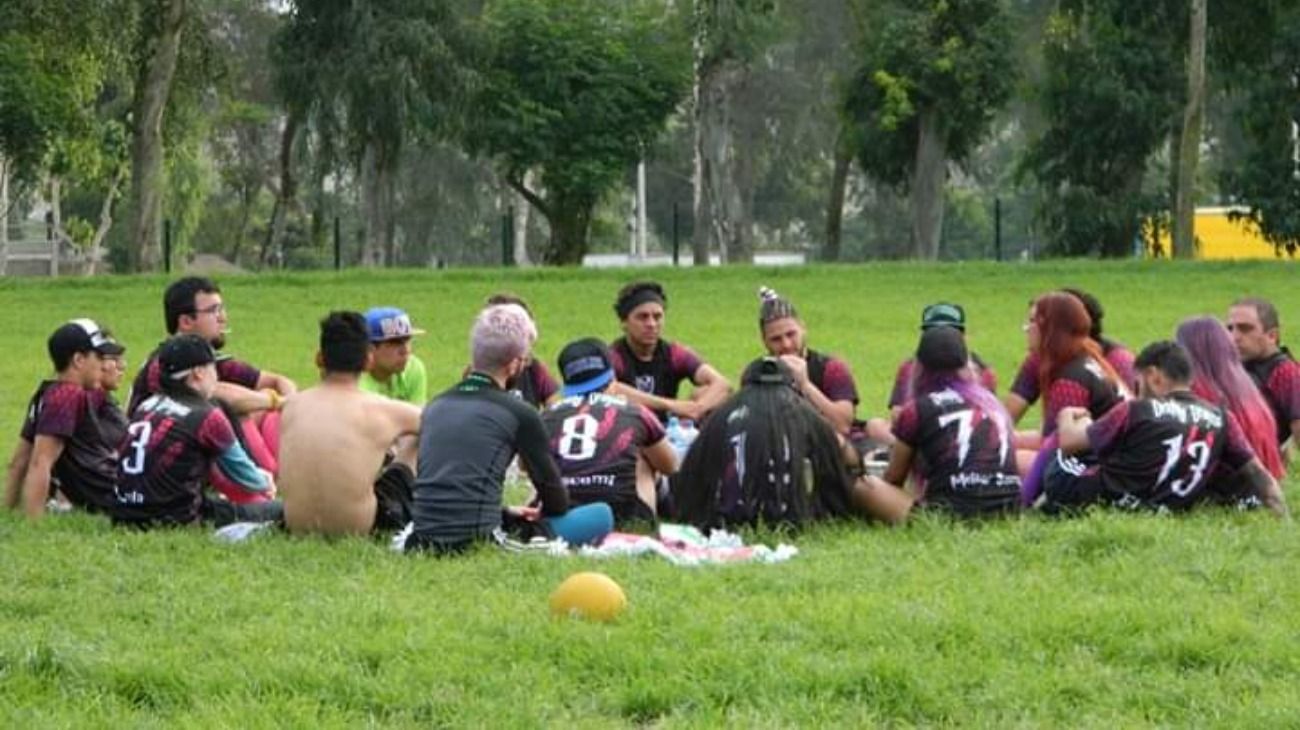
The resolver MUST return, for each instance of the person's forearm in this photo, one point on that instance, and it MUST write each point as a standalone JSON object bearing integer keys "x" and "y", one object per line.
{"x": 36, "y": 490}
{"x": 838, "y": 413}
{"x": 17, "y": 470}
{"x": 711, "y": 395}
{"x": 1016, "y": 406}
{"x": 1073, "y": 436}
{"x": 277, "y": 382}
{"x": 244, "y": 401}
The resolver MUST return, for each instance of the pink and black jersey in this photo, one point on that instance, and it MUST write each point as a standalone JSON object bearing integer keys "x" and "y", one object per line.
{"x": 1163, "y": 452}
{"x": 595, "y": 440}
{"x": 661, "y": 375}
{"x": 172, "y": 443}
{"x": 832, "y": 377}
{"x": 963, "y": 454}
{"x": 1119, "y": 358}
{"x": 149, "y": 380}
{"x": 1080, "y": 384}
{"x": 907, "y": 369}
{"x": 1278, "y": 378}
{"x": 86, "y": 470}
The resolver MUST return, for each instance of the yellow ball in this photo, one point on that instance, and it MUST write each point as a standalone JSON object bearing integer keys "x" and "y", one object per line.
{"x": 588, "y": 595}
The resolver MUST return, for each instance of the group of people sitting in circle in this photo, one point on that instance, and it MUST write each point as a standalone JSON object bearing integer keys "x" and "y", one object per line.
{"x": 1206, "y": 417}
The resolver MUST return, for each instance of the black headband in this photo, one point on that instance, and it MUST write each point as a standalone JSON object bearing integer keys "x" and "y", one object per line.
{"x": 635, "y": 299}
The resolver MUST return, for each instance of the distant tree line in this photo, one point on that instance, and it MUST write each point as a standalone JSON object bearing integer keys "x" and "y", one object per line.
{"x": 426, "y": 132}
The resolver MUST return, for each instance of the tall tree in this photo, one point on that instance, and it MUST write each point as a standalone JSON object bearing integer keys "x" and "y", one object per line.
{"x": 574, "y": 90}
{"x": 933, "y": 74}
{"x": 375, "y": 77}
{"x": 1110, "y": 94}
{"x": 1262, "y": 56}
{"x": 728, "y": 34}
{"x": 163, "y": 23}
{"x": 1189, "y": 148}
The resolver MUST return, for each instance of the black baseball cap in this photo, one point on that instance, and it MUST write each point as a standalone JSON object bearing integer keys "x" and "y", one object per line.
{"x": 943, "y": 314}
{"x": 585, "y": 366}
{"x": 81, "y": 335}
{"x": 942, "y": 348}
{"x": 183, "y": 353}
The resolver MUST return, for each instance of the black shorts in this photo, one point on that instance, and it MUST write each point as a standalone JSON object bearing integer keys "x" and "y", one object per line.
{"x": 393, "y": 497}
{"x": 1069, "y": 483}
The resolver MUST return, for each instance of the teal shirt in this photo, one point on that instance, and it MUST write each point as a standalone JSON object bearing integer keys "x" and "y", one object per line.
{"x": 410, "y": 385}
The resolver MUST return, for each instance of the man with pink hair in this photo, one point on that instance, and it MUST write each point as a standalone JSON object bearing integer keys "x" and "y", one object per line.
{"x": 1253, "y": 323}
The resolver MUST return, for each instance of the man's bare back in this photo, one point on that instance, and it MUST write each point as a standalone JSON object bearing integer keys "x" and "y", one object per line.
{"x": 333, "y": 438}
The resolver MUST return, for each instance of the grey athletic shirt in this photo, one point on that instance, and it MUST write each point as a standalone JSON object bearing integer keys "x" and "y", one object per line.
{"x": 468, "y": 436}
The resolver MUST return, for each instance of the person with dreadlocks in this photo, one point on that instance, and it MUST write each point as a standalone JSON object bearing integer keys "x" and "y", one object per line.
{"x": 952, "y": 435}
{"x": 824, "y": 380}
{"x": 1218, "y": 377}
{"x": 1026, "y": 388}
{"x": 651, "y": 368}
{"x": 768, "y": 456}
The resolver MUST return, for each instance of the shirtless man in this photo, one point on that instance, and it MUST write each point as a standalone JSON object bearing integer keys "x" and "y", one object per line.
{"x": 333, "y": 440}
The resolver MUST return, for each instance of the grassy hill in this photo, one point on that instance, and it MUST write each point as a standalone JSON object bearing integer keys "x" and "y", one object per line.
{"x": 1111, "y": 620}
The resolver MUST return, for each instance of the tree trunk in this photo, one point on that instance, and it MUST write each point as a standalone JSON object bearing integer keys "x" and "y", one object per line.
{"x": 105, "y": 221}
{"x": 287, "y": 191}
{"x": 1190, "y": 143}
{"x": 522, "y": 209}
{"x": 929, "y": 175}
{"x": 720, "y": 215}
{"x": 570, "y": 223}
{"x": 376, "y": 187}
{"x": 4, "y": 215}
{"x": 153, "y": 87}
{"x": 835, "y": 206}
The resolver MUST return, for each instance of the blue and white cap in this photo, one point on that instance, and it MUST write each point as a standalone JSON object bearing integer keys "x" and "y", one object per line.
{"x": 585, "y": 367}
{"x": 389, "y": 323}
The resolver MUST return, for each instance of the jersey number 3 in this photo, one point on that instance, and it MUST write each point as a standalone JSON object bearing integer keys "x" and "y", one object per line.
{"x": 140, "y": 431}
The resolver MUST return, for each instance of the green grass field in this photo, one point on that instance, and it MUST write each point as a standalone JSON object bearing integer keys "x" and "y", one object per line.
{"x": 1107, "y": 621}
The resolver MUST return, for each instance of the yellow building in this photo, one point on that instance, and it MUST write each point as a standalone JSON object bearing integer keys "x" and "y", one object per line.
{"x": 1217, "y": 237}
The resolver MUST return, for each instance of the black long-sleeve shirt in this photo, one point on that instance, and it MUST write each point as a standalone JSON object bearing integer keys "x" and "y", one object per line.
{"x": 468, "y": 436}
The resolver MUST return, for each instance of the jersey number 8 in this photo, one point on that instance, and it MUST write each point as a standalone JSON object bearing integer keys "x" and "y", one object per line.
{"x": 578, "y": 437}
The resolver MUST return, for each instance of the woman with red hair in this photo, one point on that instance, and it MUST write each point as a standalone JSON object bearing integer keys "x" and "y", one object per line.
{"x": 1072, "y": 372}
{"x": 1219, "y": 378}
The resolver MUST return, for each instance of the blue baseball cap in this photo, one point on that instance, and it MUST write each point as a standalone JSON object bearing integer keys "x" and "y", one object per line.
{"x": 585, "y": 367}
{"x": 389, "y": 323}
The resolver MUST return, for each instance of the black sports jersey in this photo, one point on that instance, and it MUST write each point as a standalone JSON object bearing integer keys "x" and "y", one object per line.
{"x": 86, "y": 470}
{"x": 171, "y": 444}
{"x": 1278, "y": 380}
{"x": 661, "y": 375}
{"x": 963, "y": 454}
{"x": 1082, "y": 383}
{"x": 1161, "y": 452}
{"x": 468, "y": 436}
{"x": 595, "y": 441}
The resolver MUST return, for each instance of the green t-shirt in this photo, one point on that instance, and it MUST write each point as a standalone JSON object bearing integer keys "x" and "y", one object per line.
{"x": 410, "y": 385}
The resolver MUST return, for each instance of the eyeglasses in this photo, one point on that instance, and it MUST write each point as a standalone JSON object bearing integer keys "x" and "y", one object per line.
{"x": 213, "y": 309}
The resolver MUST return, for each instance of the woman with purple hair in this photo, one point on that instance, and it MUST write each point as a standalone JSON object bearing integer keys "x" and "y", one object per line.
{"x": 953, "y": 435}
{"x": 1219, "y": 378}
